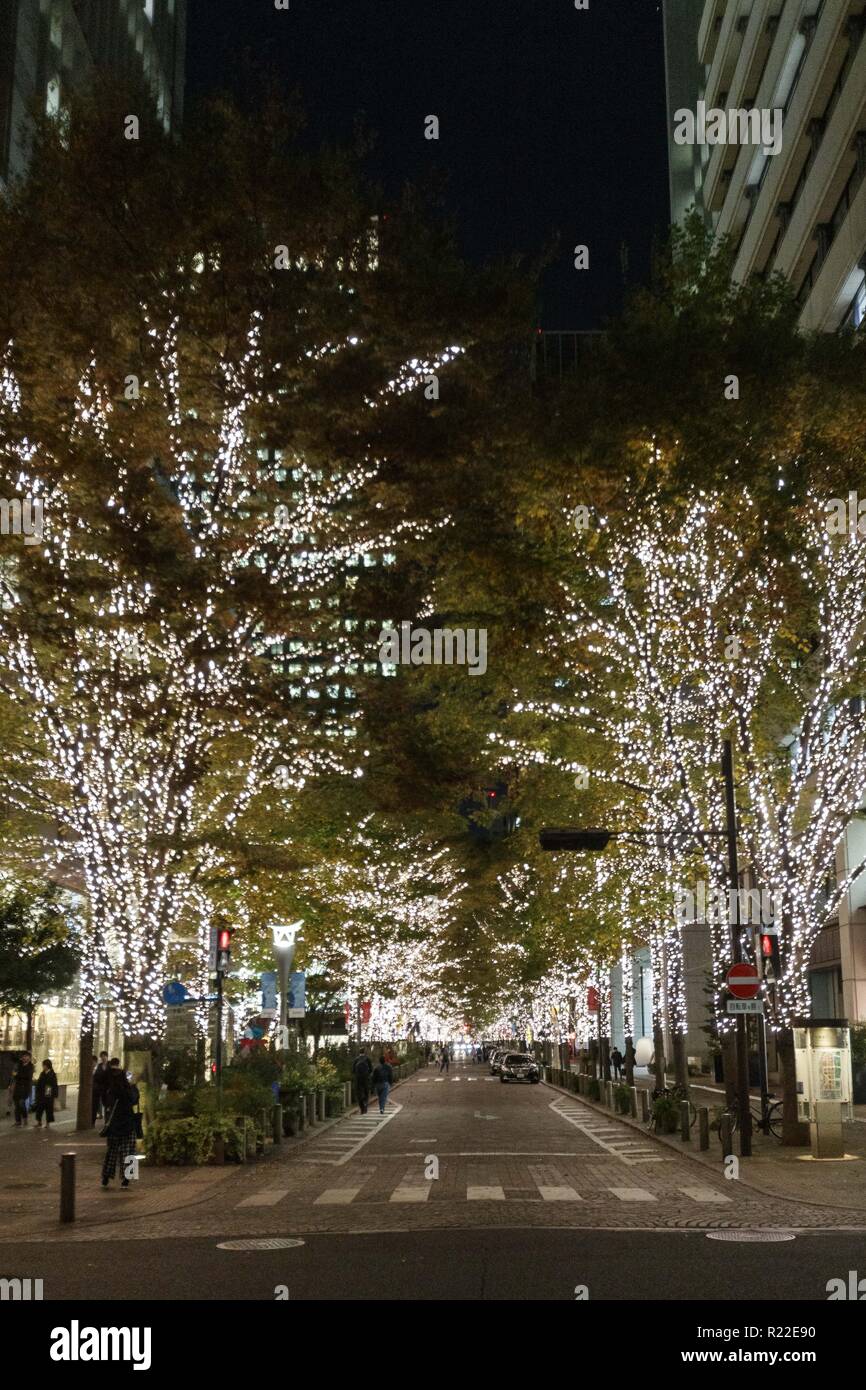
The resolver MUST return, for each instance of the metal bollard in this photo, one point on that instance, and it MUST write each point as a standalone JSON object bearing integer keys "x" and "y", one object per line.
{"x": 320, "y": 1096}
{"x": 67, "y": 1187}
{"x": 643, "y": 1105}
{"x": 703, "y": 1128}
{"x": 685, "y": 1126}
{"x": 219, "y": 1149}
{"x": 632, "y": 1101}
{"x": 277, "y": 1124}
{"x": 726, "y": 1133}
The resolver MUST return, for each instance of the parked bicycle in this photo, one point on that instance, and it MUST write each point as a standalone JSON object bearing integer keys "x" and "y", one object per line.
{"x": 774, "y": 1116}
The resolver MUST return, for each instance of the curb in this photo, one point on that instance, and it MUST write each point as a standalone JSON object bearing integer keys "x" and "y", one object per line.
{"x": 684, "y": 1152}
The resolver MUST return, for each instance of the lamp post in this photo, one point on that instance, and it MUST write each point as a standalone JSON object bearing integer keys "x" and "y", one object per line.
{"x": 285, "y": 938}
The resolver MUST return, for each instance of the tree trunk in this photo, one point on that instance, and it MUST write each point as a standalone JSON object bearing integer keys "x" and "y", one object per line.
{"x": 84, "y": 1112}
{"x": 681, "y": 1070}
{"x": 28, "y": 1035}
{"x": 659, "y": 1045}
{"x": 629, "y": 1061}
{"x": 794, "y": 1132}
{"x": 605, "y": 1059}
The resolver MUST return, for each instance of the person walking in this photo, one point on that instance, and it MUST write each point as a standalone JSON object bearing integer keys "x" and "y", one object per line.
{"x": 47, "y": 1092}
{"x": 99, "y": 1086}
{"x": 22, "y": 1085}
{"x": 119, "y": 1130}
{"x": 383, "y": 1080}
{"x": 616, "y": 1058}
{"x": 362, "y": 1069}
{"x": 445, "y": 1059}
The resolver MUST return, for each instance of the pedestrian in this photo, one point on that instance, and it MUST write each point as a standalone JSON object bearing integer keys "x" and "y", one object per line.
{"x": 119, "y": 1130}
{"x": 22, "y": 1085}
{"x": 616, "y": 1058}
{"x": 383, "y": 1079}
{"x": 630, "y": 1055}
{"x": 99, "y": 1086}
{"x": 47, "y": 1092}
{"x": 445, "y": 1059}
{"x": 362, "y": 1069}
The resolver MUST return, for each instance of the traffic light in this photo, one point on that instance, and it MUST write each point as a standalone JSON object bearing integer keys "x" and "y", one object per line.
{"x": 769, "y": 955}
{"x": 224, "y": 949}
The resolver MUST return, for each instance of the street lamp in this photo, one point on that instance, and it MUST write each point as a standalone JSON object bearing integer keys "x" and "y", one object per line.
{"x": 285, "y": 937}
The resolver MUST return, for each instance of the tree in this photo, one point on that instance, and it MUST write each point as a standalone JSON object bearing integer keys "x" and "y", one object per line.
{"x": 37, "y": 956}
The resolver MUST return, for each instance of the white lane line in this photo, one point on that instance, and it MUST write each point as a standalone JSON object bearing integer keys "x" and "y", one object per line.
{"x": 704, "y": 1194}
{"x": 632, "y": 1194}
{"x": 336, "y": 1196}
{"x": 560, "y": 1194}
{"x": 268, "y": 1198}
{"x": 394, "y": 1108}
{"x": 493, "y": 1193}
{"x": 410, "y": 1194}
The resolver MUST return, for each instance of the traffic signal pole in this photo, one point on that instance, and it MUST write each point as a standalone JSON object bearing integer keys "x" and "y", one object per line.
{"x": 743, "y": 1103}
{"x": 219, "y": 1041}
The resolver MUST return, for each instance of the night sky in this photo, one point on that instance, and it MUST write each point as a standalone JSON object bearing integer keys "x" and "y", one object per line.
{"x": 552, "y": 120}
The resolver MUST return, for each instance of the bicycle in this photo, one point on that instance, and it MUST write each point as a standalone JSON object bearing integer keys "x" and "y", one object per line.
{"x": 774, "y": 1115}
{"x": 675, "y": 1093}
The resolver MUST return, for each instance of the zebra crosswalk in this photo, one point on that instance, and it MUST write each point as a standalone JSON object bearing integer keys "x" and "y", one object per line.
{"x": 621, "y": 1141}
{"x": 338, "y": 1144}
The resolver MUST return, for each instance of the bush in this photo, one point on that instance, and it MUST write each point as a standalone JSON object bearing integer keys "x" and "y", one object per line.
{"x": 327, "y": 1077}
{"x": 190, "y": 1141}
{"x": 666, "y": 1113}
{"x": 622, "y": 1099}
{"x": 593, "y": 1088}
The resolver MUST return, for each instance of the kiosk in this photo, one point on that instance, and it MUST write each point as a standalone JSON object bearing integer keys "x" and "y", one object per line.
{"x": 822, "y": 1049}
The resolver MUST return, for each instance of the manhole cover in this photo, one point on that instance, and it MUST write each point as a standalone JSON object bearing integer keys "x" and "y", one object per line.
{"x": 751, "y": 1235}
{"x": 267, "y": 1244}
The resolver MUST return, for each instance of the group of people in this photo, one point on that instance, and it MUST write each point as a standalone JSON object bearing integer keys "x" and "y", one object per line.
{"x": 21, "y": 1092}
{"x": 367, "y": 1077}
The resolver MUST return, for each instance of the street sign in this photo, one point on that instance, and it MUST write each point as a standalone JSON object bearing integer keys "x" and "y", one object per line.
{"x": 743, "y": 981}
{"x": 745, "y": 1006}
{"x": 175, "y": 993}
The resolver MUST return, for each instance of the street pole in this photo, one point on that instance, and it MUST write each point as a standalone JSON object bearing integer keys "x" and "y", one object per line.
{"x": 219, "y": 1041}
{"x": 743, "y": 1105}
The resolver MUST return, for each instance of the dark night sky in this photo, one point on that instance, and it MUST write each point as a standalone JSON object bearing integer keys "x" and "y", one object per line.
{"x": 552, "y": 119}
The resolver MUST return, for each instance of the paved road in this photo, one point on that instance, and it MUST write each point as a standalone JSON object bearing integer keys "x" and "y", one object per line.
{"x": 465, "y": 1188}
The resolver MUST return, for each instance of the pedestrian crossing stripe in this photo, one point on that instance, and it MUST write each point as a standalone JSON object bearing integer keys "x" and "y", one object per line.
{"x": 410, "y": 1190}
{"x": 338, "y": 1145}
{"x": 600, "y": 1131}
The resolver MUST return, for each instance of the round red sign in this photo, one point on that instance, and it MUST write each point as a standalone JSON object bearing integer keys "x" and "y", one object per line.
{"x": 743, "y": 981}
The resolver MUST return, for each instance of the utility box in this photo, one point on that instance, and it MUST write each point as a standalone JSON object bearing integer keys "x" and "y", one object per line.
{"x": 822, "y": 1049}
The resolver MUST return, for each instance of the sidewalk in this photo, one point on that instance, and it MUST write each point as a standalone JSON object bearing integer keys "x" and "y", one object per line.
{"x": 774, "y": 1171}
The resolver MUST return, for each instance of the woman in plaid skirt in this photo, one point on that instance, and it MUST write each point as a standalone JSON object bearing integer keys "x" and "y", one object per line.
{"x": 120, "y": 1102}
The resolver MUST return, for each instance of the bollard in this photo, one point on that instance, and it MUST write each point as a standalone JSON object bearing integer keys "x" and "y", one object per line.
{"x": 725, "y": 1134}
{"x": 685, "y": 1117}
{"x": 703, "y": 1128}
{"x": 311, "y": 1108}
{"x": 632, "y": 1101}
{"x": 277, "y": 1124}
{"x": 67, "y": 1187}
{"x": 321, "y": 1100}
{"x": 219, "y": 1149}
{"x": 643, "y": 1105}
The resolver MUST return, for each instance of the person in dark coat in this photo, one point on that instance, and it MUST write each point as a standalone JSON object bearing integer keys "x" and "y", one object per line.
{"x": 22, "y": 1085}
{"x": 362, "y": 1069}
{"x": 99, "y": 1086}
{"x": 47, "y": 1092}
{"x": 121, "y": 1098}
{"x": 616, "y": 1058}
{"x": 383, "y": 1080}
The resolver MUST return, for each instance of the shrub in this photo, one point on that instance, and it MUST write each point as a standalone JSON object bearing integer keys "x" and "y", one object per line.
{"x": 666, "y": 1113}
{"x": 327, "y": 1077}
{"x": 190, "y": 1140}
{"x": 593, "y": 1088}
{"x": 622, "y": 1099}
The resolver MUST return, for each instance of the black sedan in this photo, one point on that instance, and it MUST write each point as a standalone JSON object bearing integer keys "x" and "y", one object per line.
{"x": 519, "y": 1066}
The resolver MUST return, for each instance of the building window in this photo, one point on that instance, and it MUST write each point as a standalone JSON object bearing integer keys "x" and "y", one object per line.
{"x": 148, "y": 9}
{"x": 52, "y": 97}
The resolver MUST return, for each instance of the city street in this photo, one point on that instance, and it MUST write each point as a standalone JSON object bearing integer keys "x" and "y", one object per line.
{"x": 538, "y": 1195}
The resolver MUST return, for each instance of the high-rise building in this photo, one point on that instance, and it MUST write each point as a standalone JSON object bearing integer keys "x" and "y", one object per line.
{"x": 800, "y": 211}
{"x": 51, "y": 47}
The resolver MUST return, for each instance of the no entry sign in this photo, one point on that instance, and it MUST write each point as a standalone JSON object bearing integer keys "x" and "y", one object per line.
{"x": 743, "y": 981}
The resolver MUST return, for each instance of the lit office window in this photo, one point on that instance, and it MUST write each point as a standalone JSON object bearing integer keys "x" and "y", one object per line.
{"x": 148, "y": 9}
{"x": 52, "y": 97}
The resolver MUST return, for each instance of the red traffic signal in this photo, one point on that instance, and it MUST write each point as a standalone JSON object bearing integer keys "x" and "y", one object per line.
{"x": 770, "y": 955}
{"x": 224, "y": 939}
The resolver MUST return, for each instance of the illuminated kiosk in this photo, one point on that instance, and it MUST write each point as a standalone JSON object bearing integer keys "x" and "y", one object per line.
{"x": 822, "y": 1049}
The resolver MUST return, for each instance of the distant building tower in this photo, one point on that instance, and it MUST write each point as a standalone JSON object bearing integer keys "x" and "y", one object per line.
{"x": 800, "y": 211}
{"x": 51, "y": 47}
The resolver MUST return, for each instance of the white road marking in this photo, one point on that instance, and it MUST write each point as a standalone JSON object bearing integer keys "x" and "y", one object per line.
{"x": 329, "y": 1145}
{"x": 336, "y": 1196}
{"x": 632, "y": 1194}
{"x": 595, "y": 1129}
{"x": 268, "y": 1198}
{"x": 494, "y": 1193}
{"x": 560, "y": 1194}
{"x": 410, "y": 1194}
{"x": 704, "y": 1194}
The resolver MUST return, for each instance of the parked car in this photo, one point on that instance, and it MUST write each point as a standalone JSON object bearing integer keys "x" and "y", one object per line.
{"x": 518, "y": 1066}
{"x": 495, "y": 1058}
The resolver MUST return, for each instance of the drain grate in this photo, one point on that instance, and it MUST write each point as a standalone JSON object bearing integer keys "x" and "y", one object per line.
{"x": 751, "y": 1235}
{"x": 273, "y": 1243}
